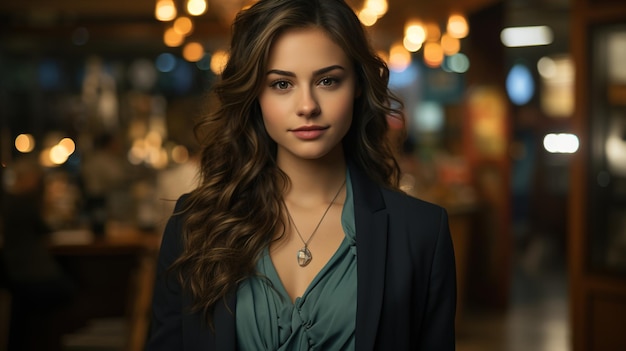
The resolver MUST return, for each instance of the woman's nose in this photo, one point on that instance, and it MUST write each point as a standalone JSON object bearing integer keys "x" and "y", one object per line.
{"x": 308, "y": 105}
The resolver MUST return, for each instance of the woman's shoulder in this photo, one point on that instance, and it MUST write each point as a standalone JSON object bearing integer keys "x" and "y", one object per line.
{"x": 172, "y": 235}
{"x": 421, "y": 224}
{"x": 396, "y": 199}
{"x": 181, "y": 203}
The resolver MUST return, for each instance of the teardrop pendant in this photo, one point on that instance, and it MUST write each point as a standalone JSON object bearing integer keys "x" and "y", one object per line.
{"x": 304, "y": 256}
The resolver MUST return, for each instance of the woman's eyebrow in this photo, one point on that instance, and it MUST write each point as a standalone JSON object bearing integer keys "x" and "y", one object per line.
{"x": 315, "y": 73}
{"x": 328, "y": 69}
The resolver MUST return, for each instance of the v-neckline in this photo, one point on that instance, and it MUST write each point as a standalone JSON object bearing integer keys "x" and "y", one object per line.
{"x": 272, "y": 273}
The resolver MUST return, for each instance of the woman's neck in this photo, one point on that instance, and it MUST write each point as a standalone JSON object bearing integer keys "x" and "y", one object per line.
{"x": 313, "y": 181}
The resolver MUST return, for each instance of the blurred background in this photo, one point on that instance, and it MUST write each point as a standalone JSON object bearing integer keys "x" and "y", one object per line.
{"x": 516, "y": 123}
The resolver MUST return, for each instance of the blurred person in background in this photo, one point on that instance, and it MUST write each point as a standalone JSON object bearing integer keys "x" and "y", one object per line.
{"x": 104, "y": 174}
{"x": 37, "y": 283}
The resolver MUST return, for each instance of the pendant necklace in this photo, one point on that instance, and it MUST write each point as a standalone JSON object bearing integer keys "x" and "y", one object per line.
{"x": 304, "y": 254}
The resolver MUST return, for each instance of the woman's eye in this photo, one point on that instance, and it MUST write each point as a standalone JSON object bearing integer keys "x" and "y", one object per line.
{"x": 328, "y": 81}
{"x": 281, "y": 85}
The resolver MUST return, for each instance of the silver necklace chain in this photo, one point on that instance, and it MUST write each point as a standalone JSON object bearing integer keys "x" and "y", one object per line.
{"x": 304, "y": 255}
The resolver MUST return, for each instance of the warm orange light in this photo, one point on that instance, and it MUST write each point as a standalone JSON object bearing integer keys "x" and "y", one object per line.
{"x": 193, "y": 52}
{"x": 433, "y": 33}
{"x": 450, "y": 45}
{"x": 24, "y": 143}
{"x": 45, "y": 158}
{"x": 172, "y": 39}
{"x": 410, "y": 45}
{"x": 379, "y": 7}
{"x": 180, "y": 154}
{"x": 157, "y": 158}
{"x": 415, "y": 33}
{"x": 165, "y": 10}
{"x": 218, "y": 61}
{"x": 368, "y": 17}
{"x": 457, "y": 26}
{"x": 399, "y": 58}
{"x": 433, "y": 54}
{"x": 58, "y": 154}
{"x": 183, "y": 26}
{"x": 196, "y": 7}
{"x": 68, "y": 144}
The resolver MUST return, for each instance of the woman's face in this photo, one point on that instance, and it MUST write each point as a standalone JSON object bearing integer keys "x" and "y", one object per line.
{"x": 308, "y": 95}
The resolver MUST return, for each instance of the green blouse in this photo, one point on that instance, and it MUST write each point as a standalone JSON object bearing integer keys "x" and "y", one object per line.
{"x": 323, "y": 318}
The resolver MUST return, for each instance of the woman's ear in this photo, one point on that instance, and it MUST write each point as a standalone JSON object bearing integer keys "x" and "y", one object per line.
{"x": 357, "y": 91}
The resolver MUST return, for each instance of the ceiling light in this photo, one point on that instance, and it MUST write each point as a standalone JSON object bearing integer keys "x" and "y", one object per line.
{"x": 165, "y": 10}
{"x": 526, "y": 36}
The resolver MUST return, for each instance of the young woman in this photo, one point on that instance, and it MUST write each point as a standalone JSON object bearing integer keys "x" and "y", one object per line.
{"x": 296, "y": 238}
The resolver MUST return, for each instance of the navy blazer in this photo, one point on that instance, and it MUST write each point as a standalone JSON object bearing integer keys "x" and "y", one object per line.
{"x": 406, "y": 290}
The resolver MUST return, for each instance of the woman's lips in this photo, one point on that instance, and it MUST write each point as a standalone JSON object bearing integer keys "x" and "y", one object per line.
{"x": 309, "y": 132}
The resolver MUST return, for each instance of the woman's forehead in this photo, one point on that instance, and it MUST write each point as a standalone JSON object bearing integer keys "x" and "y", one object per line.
{"x": 309, "y": 46}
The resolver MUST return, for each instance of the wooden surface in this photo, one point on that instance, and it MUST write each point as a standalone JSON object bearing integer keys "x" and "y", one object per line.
{"x": 114, "y": 275}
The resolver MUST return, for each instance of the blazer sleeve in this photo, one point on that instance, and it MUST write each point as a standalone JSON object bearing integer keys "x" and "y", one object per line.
{"x": 167, "y": 301}
{"x": 440, "y": 309}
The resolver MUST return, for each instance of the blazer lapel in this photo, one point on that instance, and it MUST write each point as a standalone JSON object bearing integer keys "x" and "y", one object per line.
{"x": 371, "y": 242}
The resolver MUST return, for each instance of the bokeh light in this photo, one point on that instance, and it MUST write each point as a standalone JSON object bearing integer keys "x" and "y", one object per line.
{"x": 520, "y": 85}
{"x": 165, "y": 10}
{"x": 196, "y": 7}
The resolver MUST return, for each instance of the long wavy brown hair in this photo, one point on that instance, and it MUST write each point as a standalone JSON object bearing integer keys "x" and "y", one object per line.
{"x": 237, "y": 210}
